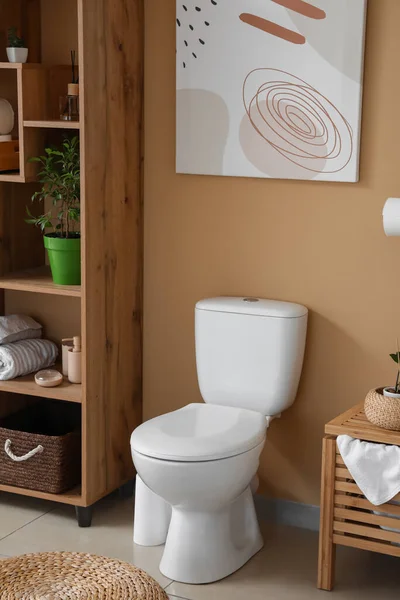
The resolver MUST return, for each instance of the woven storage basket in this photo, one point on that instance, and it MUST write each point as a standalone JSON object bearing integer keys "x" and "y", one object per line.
{"x": 53, "y": 426}
{"x": 382, "y": 410}
{"x": 73, "y": 576}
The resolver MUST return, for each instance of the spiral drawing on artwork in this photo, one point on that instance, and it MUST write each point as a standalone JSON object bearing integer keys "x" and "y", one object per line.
{"x": 297, "y": 120}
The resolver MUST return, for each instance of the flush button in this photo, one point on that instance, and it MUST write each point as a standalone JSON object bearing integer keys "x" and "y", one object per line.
{"x": 251, "y": 300}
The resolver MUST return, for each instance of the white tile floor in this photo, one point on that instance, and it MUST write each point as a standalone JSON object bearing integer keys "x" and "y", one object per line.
{"x": 284, "y": 570}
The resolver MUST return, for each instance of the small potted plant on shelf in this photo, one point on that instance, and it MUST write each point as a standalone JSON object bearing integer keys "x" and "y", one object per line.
{"x": 382, "y": 405}
{"x": 394, "y": 392}
{"x": 16, "y": 50}
{"x": 60, "y": 178}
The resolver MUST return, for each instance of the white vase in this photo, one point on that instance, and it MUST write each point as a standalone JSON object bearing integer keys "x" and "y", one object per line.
{"x": 389, "y": 394}
{"x": 17, "y": 55}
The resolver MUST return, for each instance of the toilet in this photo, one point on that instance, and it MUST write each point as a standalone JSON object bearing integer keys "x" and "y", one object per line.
{"x": 197, "y": 466}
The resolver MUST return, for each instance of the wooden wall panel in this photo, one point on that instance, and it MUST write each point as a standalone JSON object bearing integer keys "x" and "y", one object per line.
{"x": 59, "y": 315}
{"x": 31, "y": 28}
{"x": 58, "y": 42}
{"x": 12, "y": 403}
{"x": 21, "y": 245}
{"x": 111, "y": 62}
{"x": 10, "y": 14}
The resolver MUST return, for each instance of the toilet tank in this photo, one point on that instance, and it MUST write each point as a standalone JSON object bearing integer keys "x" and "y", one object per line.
{"x": 249, "y": 352}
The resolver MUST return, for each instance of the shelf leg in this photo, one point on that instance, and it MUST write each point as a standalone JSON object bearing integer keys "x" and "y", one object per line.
{"x": 327, "y": 549}
{"x": 126, "y": 490}
{"x": 84, "y": 515}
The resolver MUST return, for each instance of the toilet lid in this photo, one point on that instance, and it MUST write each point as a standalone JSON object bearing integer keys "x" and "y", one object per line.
{"x": 200, "y": 432}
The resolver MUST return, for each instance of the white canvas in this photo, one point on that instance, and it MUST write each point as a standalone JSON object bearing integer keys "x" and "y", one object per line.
{"x": 270, "y": 88}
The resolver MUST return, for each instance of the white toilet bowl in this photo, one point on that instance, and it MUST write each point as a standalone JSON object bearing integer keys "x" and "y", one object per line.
{"x": 199, "y": 504}
{"x": 197, "y": 466}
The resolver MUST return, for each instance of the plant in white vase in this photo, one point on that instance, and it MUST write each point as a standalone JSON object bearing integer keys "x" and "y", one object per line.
{"x": 16, "y": 50}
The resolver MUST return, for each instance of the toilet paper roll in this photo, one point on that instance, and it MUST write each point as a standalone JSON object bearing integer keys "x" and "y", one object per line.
{"x": 391, "y": 217}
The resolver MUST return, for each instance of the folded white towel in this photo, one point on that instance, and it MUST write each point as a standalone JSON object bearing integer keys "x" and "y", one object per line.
{"x": 374, "y": 467}
{"x": 22, "y": 358}
{"x": 14, "y": 328}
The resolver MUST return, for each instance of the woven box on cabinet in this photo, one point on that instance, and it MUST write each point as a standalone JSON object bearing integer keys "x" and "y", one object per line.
{"x": 40, "y": 448}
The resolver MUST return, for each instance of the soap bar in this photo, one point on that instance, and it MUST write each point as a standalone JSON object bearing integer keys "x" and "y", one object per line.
{"x": 48, "y": 378}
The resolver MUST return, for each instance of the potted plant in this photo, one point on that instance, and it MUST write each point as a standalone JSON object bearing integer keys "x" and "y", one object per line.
{"x": 16, "y": 51}
{"x": 382, "y": 405}
{"x": 394, "y": 392}
{"x": 60, "y": 179}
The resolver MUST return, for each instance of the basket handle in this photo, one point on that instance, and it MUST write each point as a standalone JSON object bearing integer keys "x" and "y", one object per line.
{"x": 10, "y": 454}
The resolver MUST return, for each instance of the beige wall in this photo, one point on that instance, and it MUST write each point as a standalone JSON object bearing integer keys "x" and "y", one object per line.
{"x": 320, "y": 244}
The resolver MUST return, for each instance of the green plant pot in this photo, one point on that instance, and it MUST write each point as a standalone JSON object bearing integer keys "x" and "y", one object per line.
{"x": 65, "y": 258}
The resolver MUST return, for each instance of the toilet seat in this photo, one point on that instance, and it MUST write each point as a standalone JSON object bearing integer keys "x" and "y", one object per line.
{"x": 200, "y": 432}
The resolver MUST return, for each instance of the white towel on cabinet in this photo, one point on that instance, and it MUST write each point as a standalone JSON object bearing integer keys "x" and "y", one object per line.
{"x": 374, "y": 467}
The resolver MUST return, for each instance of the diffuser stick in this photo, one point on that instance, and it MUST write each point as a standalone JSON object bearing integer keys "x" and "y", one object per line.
{"x": 73, "y": 58}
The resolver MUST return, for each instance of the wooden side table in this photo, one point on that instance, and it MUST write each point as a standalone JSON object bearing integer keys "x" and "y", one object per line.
{"x": 347, "y": 517}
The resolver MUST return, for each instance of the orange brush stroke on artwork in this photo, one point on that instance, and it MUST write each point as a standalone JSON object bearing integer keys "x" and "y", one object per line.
{"x": 304, "y": 8}
{"x": 273, "y": 28}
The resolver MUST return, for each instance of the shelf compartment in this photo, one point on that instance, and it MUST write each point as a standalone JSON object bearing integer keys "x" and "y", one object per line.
{"x": 73, "y": 497}
{"x": 34, "y": 91}
{"x": 38, "y": 280}
{"x": 52, "y": 124}
{"x": 10, "y": 82}
{"x": 69, "y": 392}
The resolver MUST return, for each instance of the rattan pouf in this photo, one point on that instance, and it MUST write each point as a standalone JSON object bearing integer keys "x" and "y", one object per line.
{"x": 73, "y": 576}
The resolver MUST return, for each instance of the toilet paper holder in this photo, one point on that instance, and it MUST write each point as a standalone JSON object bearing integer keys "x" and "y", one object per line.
{"x": 391, "y": 217}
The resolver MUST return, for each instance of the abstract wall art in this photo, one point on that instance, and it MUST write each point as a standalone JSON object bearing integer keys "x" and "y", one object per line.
{"x": 270, "y": 88}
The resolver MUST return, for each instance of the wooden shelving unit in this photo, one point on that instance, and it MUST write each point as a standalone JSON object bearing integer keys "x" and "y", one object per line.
{"x": 26, "y": 386}
{"x": 34, "y": 90}
{"x": 20, "y": 66}
{"x": 347, "y": 517}
{"x": 73, "y": 497}
{"x": 11, "y": 178}
{"x": 39, "y": 281}
{"x": 53, "y": 124}
{"x": 109, "y": 300}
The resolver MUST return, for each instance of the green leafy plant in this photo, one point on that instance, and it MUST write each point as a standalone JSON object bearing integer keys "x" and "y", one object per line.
{"x": 60, "y": 179}
{"x": 396, "y": 357}
{"x": 14, "y": 41}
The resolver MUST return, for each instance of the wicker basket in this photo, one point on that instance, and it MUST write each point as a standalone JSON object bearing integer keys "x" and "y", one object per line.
{"x": 40, "y": 448}
{"x": 69, "y": 575}
{"x": 382, "y": 410}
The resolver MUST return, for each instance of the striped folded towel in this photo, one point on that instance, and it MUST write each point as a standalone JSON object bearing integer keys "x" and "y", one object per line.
{"x": 27, "y": 356}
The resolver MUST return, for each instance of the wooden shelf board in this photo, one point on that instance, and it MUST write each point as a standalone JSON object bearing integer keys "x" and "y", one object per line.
{"x": 20, "y": 66}
{"x": 73, "y": 497}
{"x": 54, "y": 124}
{"x": 38, "y": 281}
{"x": 12, "y": 177}
{"x": 69, "y": 392}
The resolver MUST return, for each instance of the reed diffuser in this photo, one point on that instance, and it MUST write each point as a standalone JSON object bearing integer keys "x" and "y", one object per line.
{"x": 69, "y": 104}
